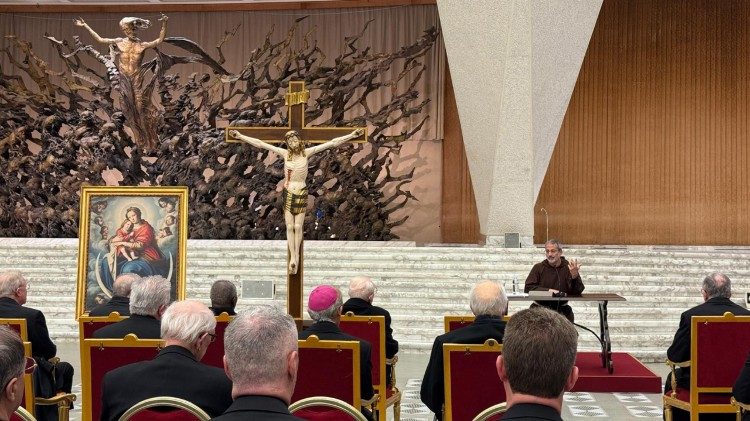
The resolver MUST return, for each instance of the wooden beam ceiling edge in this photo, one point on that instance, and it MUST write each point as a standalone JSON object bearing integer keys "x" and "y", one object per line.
{"x": 204, "y": 7}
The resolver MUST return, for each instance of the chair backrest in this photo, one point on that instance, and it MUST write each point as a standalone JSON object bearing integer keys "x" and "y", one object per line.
{"x": 328, "y": 368}
{"x": 215, "y": 352}
{"x": 372, "y": 330}
{"x": 22, "y": 415}
{"x": 19, "y": 325}
{"x": 164, "y": 408}
{"x": 98, "y": 356}
{"x": 714, "y": 341}
{"x": 468, "y": 369}
{"x": 451, "y": 323}
{"x": 302, "y": 408}
{"x": 492, "y": 413}
{"x": 87, "y": 325}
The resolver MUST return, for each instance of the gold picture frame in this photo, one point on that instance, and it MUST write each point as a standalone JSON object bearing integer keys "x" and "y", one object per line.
{"x": 113, "y": 218}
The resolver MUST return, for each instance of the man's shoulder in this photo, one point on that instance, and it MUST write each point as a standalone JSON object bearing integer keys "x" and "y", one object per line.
{"x": 714, "y": 307}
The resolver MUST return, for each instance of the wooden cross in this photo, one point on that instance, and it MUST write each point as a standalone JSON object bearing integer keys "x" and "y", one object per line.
{"x": 295, "y": 100}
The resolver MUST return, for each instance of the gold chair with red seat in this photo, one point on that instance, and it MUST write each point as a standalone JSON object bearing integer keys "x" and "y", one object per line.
{"x": 372, "y": 330}
{"x": 492, "y": 413}
{"x": 451, "y": 323}
{"x": 164, "y": 408}
{"x": 87, "y": 325}
{"x": 22, "y": 414}
{"x": 325, "y": 401}
{"x": 63, "y": 401}
{"x": 714, "y": 365}
{"x": 99, "y": 356}
{"x": 467, "y": 370}
{"x": 215, "y": 352}
{"x": 329, "y": 368}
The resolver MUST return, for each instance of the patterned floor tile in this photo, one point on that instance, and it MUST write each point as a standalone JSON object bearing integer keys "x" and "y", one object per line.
{"x": 578, "y": 397}
{"x": 632, "y": 397}
{"x": 587, "y": 411}
{"x": 645, "y": 411}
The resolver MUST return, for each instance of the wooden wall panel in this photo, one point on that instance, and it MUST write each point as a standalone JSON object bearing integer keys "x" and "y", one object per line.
{"x": 459, "y": 219}
{"x": 654, "y": 145}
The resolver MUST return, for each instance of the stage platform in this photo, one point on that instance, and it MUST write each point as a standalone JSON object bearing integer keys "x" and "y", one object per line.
{"x": 629, "y": 375}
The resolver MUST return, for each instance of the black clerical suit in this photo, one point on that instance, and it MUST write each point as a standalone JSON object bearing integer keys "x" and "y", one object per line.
{"x": 484, "y": 327}
{"x": 257, "y": 408}
{"x": 331, "y": 332}
{"x": 144, "y": 327}
{"x": 362, "y": 307}
{"x": 117, "y": 303}
{"x": 679, "y": 351}
{"x": 174, "y": 372}
{"x": 48, "y": 379}
{"x": 531, "y": 411}
{"x": 741, "y": 389}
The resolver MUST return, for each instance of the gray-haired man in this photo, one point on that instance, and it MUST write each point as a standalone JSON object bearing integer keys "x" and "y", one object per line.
{"x": 262, "y": 381}
{"x": 148, "y": 300}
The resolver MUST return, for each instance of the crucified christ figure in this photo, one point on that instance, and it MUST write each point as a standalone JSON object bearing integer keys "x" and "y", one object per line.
{"x": 295, "y": 189}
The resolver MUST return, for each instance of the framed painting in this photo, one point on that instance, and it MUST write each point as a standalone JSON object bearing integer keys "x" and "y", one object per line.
{"x": 140, "y": 230}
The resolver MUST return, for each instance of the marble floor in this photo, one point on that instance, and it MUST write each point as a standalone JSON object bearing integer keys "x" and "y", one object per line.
{"x": 410, "y": 368}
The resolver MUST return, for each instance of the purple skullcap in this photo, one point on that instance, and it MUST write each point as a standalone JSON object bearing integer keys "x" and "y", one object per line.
{"x": 322, "y": 297}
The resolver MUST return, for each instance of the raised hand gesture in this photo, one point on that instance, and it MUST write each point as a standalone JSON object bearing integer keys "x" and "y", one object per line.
{"x": 573, "y": 267}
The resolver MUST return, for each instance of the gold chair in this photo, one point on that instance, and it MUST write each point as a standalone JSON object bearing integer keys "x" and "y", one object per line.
{"x": 491, "y": 412}
{"x": 99, "y": 356}
{"x": 466, "y": 369}
{"x": 713, "y": 368}
{"x": 23, "y": 415}
{"x": 63, "y": 401}
{"x": 451, "y": 323}
{"x": 372, "y": 330}
{"x": 182, "y": 410}
{"x": 741, "y": 408}
{"x": 327, "y": 402}
{"x": 330, "y": 368}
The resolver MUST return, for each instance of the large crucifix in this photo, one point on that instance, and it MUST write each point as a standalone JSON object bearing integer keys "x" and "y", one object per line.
{"x": 295, "y": 173}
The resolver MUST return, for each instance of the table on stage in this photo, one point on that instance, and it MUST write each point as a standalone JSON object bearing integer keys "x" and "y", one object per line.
{"x": 602, "y": 299}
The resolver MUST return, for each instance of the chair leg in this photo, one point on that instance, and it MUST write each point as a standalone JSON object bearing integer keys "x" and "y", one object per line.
{"x": 397, "y": 411}
{"x": 667, "y": 413}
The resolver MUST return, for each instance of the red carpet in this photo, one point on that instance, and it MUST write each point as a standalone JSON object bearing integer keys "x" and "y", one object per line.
{"x": 629, "y": 375}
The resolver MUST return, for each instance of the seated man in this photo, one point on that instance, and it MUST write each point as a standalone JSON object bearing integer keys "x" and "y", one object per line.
{"x": 148, "y": 300}
{"x": 557, "y": 275}
{"x": 12, "y": 368}
{"x": 262, "y": 382}
{"x": 324, "y": 307}
{"x": 187, "y": 327}
{"x": 361, "y": 295}
{"x": 741, "y": 389}
{"x": 488, "y": 303}
{"x": 49, "y": 379}
{"x": 223, "y": 297}
{"x": 716, "y": 291}
{"x": 537, "y": 364}
{"x": 120, "y": 301}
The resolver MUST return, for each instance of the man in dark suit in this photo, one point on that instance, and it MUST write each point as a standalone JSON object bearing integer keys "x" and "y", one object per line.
{"x": 49, "y": 379}
{"x": 489, "y": 303}
{"x": 537, "y": 365}
{"x": 223, "y": 297}
{"x": 149, "y": 299}
{"x": 324, "y": 307}
{"x": 262, "y": 381}
{"x": 741, "y": 389}
{"x": 361, "y": 295}
{"x": 120, "y": 301}
{"x": 188, "y": 327}
{"x": 716, "y": 291}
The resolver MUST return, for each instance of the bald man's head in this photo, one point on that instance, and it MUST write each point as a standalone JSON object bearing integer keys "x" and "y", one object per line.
{"x": 488, "y": 298}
